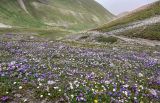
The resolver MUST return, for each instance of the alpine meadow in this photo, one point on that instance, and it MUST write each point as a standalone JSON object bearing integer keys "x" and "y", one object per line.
{"x": 77, "y": 51}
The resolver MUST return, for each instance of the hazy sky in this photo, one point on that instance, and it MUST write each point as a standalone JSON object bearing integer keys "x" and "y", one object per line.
{"x": 119, "y": 6}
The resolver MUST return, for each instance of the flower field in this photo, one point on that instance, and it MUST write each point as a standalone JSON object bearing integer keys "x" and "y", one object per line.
{"x": 65, "y": 71}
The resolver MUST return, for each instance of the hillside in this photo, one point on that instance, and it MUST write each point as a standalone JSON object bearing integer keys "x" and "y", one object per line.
{"x": 142, "y": 23}
{"x": 64, "y": 14}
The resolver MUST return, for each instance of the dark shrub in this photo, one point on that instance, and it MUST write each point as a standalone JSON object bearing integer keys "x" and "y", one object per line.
{"x": 109, "y": 39}
{"x": 84, "y": 37}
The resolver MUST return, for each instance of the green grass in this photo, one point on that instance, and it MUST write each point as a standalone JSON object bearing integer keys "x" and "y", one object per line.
{"x": 77, "y": 15}
{"x": 65, "y": 17}
{"x": 12, "y": 14}
{"x": 151, "y": 32}
{"x": 51, "y": 34}
{"x": 92, "y": 89}
{"x": 152, "y": 10}
{"x": 109, "y": 39}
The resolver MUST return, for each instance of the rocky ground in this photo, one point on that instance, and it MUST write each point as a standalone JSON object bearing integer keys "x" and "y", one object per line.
{"x": 36, "y": 71}
{"x": 137, "y": 24}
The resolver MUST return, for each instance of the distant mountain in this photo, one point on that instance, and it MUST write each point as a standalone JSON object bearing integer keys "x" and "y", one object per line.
{"x": 65, "y": 14}
{"x": 143, "y": 22}
{"x": 123, "y": 14}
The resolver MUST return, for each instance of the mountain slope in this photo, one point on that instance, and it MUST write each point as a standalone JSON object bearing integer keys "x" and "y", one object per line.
{"x": 139, "y": 14}
{"x": 142, "y": 23}
{"x": 66, "y": 14}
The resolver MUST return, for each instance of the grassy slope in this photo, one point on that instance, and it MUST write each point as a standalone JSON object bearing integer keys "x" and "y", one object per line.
{"x": 151, "y": 32}
{"x": 147, "y": 32}
{"x": 50, "y": 34}
{"x": 65, "y": 16}
{"x": 77, "y": 15}
{"x": 152, "y": 10}
{"x": 11, "y": 13}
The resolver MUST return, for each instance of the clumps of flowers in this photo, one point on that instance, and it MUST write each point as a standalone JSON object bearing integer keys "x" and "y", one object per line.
{"x": 67, "y": 72}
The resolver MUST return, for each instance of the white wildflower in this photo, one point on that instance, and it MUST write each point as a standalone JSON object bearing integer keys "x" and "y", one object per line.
{"x": 114, "y": 90}
{"x": 40, "y": 84}
{"x": 50, "y": 82}
{"x": 126, "y": 85}
{"x": 71, "y": 86}
{"x": 20, "y": 87}
{"x": 25, "y": 100}
{"x": 55, "y": 87}
{"x": 140, "y": 75}
{"x": 49, "y": 94}
{"x": 13, "y": 62}
{"x": 141, "y": 87}
{"x": 41, "y": 96}
{"x": 72, "y": 96}
{"x": 93, "y": 90}
{"x": 107, "y": 82}
{"x": 125, "y": 92}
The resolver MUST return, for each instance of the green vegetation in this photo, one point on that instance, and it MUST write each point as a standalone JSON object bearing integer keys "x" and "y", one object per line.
{"x": 45, "y": 33}
{"x": 64, "y": 14}
{"x": 104, "y": 39}
{"x": 12, "y": 14}
{"x": 151, "y": 10}
{"x": 71, "y": 71}
{"x": 151, "y": 32}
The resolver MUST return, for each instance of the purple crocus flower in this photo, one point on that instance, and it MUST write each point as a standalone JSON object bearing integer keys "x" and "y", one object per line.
{"x": 4, "y": 98}
{"x": 36, "y": 75}
{"x": 91, "y": 76}
{"x": 80, "y": 98}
